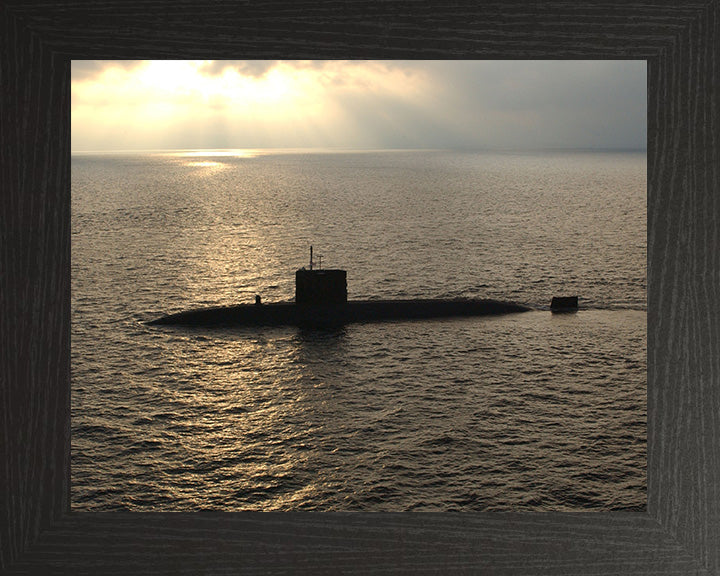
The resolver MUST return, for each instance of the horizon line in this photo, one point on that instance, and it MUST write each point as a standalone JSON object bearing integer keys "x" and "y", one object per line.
{"x": 330, "y": 150}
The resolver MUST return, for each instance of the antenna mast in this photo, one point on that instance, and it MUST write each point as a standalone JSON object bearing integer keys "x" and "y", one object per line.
{"x": 311, "y": 262}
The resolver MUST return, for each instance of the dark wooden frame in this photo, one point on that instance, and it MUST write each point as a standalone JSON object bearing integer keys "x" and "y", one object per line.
{"x": 680, "y": 531}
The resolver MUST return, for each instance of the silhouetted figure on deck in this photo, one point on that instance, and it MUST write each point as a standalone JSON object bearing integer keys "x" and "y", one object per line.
{"x": 257, "y": 299}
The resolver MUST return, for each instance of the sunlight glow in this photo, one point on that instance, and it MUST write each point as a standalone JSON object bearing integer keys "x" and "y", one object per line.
{"x": 357, "y": 104}
{"x": 160, "y": 104}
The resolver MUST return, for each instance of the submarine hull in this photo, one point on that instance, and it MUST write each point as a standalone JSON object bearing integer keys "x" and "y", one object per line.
{"x": 292, "y": 314}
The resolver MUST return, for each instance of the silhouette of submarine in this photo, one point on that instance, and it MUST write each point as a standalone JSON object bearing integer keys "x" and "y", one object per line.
{"x": 321, "y": 300}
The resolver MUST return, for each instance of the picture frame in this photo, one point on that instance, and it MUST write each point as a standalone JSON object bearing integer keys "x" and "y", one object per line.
{"x": 679, "y": 533}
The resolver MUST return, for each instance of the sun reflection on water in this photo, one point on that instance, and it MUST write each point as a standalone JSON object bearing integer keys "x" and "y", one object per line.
{"x": 204, "y": 164}
{"x": 251, "y": 410}
{"x": 229, "y": 153}
{"x": 210, "y": 158}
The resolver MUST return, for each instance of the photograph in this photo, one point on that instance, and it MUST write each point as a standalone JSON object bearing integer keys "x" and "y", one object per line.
{"x": 359, "y": 285}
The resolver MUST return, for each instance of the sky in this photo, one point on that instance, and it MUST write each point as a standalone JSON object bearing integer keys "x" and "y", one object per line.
{"x": 357, "y": 105}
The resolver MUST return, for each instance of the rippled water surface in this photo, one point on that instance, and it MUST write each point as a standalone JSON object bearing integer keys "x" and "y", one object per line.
{"x": 531, "y": 411}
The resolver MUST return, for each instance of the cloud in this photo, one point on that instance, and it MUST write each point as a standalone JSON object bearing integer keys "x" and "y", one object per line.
{"x": 259, "y": 68}
{"x": 591, "y": 104}
{"x": 254, "y": 68}
{"x": 82, "y": 70}
{"x": 361, "y": 104}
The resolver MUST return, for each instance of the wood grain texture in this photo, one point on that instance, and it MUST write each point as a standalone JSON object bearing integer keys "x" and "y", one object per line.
{"x": 679, "y": 533}
{"x": 683, "y": 281}
{"x": 317, "y": 543}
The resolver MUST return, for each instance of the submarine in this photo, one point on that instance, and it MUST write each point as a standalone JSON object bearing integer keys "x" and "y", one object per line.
{"x": 321, "y": 301}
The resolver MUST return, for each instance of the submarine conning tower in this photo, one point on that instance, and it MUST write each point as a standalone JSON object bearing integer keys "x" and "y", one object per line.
{"x": 318, "y": 286}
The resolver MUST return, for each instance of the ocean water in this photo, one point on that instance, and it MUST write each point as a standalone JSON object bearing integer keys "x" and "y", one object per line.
{"x": 532, "y": 411}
